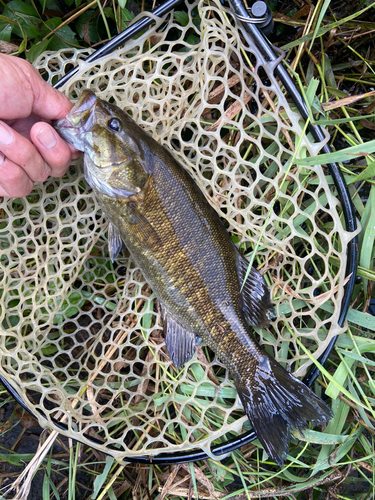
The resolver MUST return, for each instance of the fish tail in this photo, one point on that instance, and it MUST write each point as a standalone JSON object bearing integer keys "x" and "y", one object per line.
{"x": 275, "y": 402}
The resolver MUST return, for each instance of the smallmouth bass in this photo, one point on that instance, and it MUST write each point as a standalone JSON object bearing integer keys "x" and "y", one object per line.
{"x": 185, "y": 253}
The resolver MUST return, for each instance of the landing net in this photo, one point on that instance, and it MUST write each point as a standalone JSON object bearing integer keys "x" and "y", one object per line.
{"x": 81, "y": 339}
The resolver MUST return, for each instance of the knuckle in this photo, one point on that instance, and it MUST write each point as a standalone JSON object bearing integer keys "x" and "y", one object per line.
{"x": 27, "y": 157}
{"x": 56, "y": 160}
{"x": 25, "y": 190}
{"x": 22, "y": 154}
{"x": 60, "y": 163}
{"x": 42, "y": 173}
{"x": 60, "y": 171}
{"x": 14, "y": 181}
{"x": 33, "y": 164}
{"x": 15, "y": 176}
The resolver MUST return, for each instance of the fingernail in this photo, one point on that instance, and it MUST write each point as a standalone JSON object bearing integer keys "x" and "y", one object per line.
{"x": 6, "y": 137}
{"x": 47, "y": 138}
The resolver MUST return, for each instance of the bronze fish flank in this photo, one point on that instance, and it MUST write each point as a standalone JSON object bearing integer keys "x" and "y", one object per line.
{"x": 188, "y": 258}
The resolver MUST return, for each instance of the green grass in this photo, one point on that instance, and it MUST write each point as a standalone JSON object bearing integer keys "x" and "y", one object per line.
{"x": 335, "y": 462}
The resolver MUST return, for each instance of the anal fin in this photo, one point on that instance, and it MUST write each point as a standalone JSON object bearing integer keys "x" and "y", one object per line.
{"x": 179, "y": 341}
{"x": 258, "y": 308}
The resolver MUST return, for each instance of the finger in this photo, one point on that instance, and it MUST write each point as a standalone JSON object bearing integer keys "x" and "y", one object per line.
{"x": 75, "y": 152}
{"x": 48, "y": 103}
{"x": 21, "y": 152}
{"x": 54, "y": 150}
{"x": 14, "y": 181}
{"x": 24, "y": 126}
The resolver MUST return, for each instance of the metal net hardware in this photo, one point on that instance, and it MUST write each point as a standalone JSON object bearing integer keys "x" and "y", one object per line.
{"x": 81, "y": 339}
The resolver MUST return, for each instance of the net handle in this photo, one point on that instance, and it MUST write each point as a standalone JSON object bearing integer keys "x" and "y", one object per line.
{"x": 122, "y": 37}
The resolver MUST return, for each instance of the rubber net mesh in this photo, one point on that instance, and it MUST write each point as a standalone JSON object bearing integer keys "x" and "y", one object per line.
{"x": 81, "y": 338}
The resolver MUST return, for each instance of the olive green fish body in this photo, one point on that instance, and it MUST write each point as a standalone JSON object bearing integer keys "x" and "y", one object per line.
{"x": 186, "y": 255}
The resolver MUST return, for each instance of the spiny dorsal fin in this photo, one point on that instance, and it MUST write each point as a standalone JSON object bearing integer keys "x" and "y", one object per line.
{"x": 179, "y": 341}
{"x": 114, "y": 242}
{"x": 258, "y": 308}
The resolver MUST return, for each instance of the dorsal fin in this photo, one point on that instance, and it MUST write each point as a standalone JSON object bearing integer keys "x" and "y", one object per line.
{"x": 179, "y": 341}
{"x": 258, "y": 308}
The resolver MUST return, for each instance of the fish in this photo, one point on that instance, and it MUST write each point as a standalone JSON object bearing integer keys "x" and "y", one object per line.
{"x": 177, "y": 239}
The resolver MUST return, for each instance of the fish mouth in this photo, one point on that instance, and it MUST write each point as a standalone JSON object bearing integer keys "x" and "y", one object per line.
{"x": 77, "y": 123}
{"x": 79, "y": 116}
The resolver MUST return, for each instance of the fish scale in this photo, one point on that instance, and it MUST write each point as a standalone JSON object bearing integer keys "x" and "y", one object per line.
{"x": 186, "y": 255}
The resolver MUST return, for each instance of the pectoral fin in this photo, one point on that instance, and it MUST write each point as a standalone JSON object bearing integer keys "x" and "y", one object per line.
{"x": 179, "y": 341}
{"x": 258, "y": 308}
{"x": 114, "y": 242}
{"x": 145, "y": 233}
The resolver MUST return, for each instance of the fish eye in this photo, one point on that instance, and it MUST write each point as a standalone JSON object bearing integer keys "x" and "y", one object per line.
{"x": 114, "y": 124}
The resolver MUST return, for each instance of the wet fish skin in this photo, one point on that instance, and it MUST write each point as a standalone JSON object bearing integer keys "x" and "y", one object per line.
{"x": 188, "y": 258}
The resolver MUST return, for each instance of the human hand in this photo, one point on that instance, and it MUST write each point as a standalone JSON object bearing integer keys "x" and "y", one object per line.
{"x": 30, "y": 149}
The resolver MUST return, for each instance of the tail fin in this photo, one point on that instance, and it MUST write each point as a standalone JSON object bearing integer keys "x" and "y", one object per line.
{"x": 275, "y": 402}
